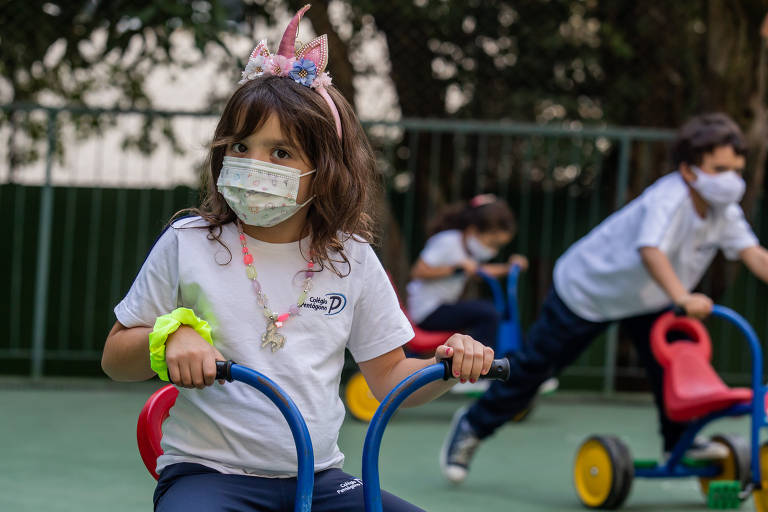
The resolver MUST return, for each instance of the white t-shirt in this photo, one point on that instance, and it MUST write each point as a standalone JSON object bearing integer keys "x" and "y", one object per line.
{"x": 233, "y": 428}
{"x": 602, "y": 277}
{"x": 426, "y": 295}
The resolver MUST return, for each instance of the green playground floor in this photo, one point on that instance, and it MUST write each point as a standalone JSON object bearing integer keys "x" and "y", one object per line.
{"x": 70, "y": 446}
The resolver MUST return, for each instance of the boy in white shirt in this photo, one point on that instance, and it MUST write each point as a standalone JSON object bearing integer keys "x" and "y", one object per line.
{"x": 635, "y": 265}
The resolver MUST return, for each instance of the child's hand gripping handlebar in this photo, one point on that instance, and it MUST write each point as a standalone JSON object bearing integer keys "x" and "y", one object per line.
{"x": 499, "y": 369}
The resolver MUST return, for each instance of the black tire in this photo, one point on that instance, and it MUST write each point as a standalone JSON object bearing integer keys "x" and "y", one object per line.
{"x": 741, "y": 454}
{"x": 622, "y": 472}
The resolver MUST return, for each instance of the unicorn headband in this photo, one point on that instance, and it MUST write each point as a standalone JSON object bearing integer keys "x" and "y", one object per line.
{"x": 306, "y": 66}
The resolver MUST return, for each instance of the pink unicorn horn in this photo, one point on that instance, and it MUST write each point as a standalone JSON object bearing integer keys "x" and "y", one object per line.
{"x": 288, "y": 43}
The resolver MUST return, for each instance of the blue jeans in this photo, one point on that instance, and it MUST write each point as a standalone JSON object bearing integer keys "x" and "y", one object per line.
{"x": 555, "y": 340}
{"x": 478, "y": 318}
{"x": 189, "y": 487}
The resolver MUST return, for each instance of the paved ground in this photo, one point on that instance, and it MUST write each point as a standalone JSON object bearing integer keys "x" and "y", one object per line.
{"x": 72, "y": 448}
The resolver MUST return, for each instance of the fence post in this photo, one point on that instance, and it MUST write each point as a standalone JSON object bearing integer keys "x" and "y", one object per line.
{"x": 612, "y": 336}
{"x": 43, "y": 254}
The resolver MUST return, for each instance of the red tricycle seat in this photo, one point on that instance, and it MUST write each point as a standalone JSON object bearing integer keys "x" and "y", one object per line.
{"x": 149, "y": 429}
{"x": 692, "y": 388}
{"x": 423, "y": 341}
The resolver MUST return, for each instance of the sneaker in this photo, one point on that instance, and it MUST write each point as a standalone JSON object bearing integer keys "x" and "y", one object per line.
{"x": 458, "y": 448}
{"x": 549, "y": 386}
{"x": 703, "y": 449}
{"x": 471, "y": 388}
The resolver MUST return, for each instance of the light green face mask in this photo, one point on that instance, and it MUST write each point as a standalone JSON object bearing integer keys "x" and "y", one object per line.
{"x": 260, "y": 193}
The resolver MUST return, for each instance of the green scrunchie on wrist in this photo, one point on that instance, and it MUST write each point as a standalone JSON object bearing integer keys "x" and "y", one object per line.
{"x": 166, "y": 325}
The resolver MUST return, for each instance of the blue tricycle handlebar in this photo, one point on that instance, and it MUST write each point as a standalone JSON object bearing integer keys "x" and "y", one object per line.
{"x": 508, "y": 306}
{"x": 227, "y": 370}
{"x": 758, "y": 389}
{"x": 442, "y": 370}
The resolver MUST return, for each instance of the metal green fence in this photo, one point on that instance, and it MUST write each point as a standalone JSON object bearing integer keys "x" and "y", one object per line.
{"x": 86, "y": 191}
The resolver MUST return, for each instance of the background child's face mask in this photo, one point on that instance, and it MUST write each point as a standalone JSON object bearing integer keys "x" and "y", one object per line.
{"x": 720, "y": 189}
{"x": 260, "y": 193}
{"x": 479, "y": 250}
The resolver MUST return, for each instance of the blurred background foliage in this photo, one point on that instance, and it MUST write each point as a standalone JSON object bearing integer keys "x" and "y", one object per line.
{"x": 621, "y": 62}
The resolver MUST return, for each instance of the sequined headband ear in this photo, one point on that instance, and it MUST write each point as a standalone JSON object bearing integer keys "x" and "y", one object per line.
{"x": 305, "y": 65}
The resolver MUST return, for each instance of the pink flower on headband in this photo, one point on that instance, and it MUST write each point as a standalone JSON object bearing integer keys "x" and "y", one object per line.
{"x": 323, "y": 80}
{"x": 279, "y": 66}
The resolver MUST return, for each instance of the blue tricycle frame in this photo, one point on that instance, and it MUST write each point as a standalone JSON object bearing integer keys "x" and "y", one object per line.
{"x": 510, "y": 336}
{"x": 305, "y": 478}
{"x": 673, "y": 466}
{"x": 230, "y": 371}
{"x": 440, "y": 371}
{"x": 676, "y": 465}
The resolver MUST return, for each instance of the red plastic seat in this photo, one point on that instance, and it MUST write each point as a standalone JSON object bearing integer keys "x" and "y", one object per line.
{"x": 423, "y": 341}
{"x": 692, "y": 388}
{"x": 149, "y": 428}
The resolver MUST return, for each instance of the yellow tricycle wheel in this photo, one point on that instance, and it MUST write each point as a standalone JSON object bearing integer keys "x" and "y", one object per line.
{"x": 735, "y": 466}
{"x": 603, "y": 472}
{"x": 760, "y": 496}
{"x": 360, "y": 401}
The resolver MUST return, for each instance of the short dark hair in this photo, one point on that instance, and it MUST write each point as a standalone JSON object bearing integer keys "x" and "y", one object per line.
{"x": 702, "y": 134}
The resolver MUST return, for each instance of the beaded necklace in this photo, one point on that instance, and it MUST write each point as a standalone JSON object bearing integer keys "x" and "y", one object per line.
{"x": 274, "y": 320}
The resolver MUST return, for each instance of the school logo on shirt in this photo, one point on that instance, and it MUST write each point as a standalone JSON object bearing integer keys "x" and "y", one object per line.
{"x": 330, "y": 304}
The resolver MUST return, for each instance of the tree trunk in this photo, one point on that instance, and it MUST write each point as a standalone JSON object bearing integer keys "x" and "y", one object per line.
{"x": 757, "y": 134}
{"x": 339, "y": 65}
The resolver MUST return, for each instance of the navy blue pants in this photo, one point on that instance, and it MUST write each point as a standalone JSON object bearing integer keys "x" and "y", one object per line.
{"x": 478, "y": 318}
{"x": 191, "y": 488}
{"x": 555, "y": 340}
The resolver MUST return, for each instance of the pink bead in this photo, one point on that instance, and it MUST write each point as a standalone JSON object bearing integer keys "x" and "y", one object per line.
{"x": 283, "y": 317}
{"x": 308, "y": 274}
{"x": 256, "y": 287}
{"x": 247, "y": 259}
{"x": 310, "y": 264}
{"x": 242, "y": 237}
{"x": 245, "y": 250}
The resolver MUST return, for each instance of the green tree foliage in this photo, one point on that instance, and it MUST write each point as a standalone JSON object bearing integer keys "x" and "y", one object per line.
{"x": 51, "y": 50}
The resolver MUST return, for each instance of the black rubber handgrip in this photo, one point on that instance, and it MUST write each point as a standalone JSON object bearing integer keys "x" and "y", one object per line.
{"x": 499, "y": 369}
{"x": 223, "y": 371}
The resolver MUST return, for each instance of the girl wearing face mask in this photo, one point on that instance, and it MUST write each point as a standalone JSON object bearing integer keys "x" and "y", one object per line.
{"x": 634, "y": 266}
{"x": 465, "y": 238}
{"x": 275, "y": 271}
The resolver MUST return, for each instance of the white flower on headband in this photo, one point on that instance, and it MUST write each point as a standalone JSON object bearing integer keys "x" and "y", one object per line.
{"x": 254, "y": 68}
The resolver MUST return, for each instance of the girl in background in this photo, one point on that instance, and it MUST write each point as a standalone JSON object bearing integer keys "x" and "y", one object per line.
{"x": 465, "y": 237}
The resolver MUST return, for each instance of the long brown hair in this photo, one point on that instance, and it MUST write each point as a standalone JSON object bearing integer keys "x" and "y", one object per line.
{"x": 346, "y": 184}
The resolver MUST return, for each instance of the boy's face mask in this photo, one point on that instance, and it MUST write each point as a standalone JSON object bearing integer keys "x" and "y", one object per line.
{"x": 260, "y": 193}
{"x": 720, "y": 189}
